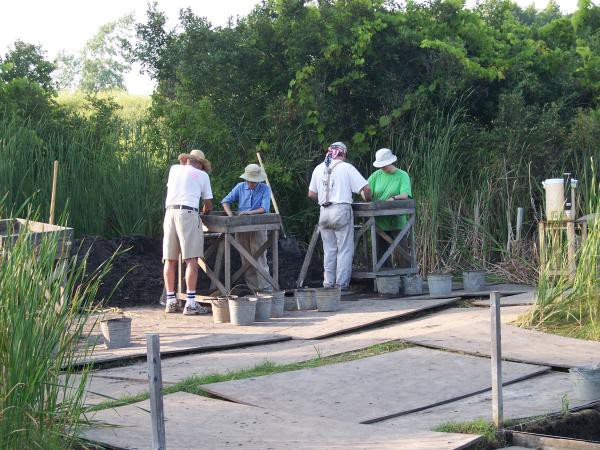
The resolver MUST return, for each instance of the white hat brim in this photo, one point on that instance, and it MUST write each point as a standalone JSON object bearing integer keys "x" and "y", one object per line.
{"x": 386, "y": 162}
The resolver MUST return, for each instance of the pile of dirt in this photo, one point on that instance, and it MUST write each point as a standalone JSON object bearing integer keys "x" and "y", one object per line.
{"x": 584, "y": 424}
{"x": 138, "y": 267}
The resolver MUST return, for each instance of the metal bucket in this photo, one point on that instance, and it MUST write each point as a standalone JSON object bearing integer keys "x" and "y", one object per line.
{"x": 388, "y": 284}
{"x": 586, "y": 381}
{"x": 220, "y": 308}
{"x": 242, "y": 310}
{"x": 328, "y": 299}
{"x": 277, "y": 304}
{"x": 116, "y": 332}
{"x": 412, "y": 285}
{"x": 474, "y": 281}
{"x": 263, "y": 307}
{"x": 439, "y": 284}
{"x": 289, "y": 303}
{"x": 305, "y": 299}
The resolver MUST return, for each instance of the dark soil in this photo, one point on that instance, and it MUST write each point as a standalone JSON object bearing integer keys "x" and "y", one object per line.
{"x": 583, "y": 424}
{"x": 138, "y": 264}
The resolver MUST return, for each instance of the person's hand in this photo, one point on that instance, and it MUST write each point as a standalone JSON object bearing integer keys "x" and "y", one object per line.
{"x": 243, "y": 213}
{"x": 391, "y": 199}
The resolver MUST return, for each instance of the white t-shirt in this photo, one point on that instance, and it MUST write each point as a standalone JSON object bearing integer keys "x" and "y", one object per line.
{"x": 187, "y": 185}
{"x": 345, "y": 180}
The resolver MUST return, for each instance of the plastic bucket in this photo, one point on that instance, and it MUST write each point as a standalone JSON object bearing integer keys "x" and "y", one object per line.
{"x": 242, "y": 310}
{"x": 220, "y": 308}
{"x": 412, "y": 285}
{"x": 305, "y": 299}
{"x": 277, "y": 303}
{"x": 474, "y": 281}
{"x": 328, "y": 299}
{"x": 116, "y": 332}
{"x": 263, "y": 307}
{"x": 555, "y": 198}
{"x": 439, "y": 285}
{"x": 388, "y": 284}
{"x": 586, "y": 381}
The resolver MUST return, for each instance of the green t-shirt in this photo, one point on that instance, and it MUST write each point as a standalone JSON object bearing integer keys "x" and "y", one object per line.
{"x": 385, "y": 185}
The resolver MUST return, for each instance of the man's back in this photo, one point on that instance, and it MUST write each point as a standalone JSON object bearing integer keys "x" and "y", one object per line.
{"x": 344, "y": 181}
{"x": 187, "y": 185}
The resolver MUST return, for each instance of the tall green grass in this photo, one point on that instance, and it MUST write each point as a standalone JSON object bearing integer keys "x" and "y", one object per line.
{"x": 570, "y": 303}
{"x": 44, "y": 309}
{"x": 110, "y": 184}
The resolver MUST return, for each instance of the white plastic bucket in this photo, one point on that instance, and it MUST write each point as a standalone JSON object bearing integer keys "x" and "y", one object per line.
{"x": 555, "y": 198}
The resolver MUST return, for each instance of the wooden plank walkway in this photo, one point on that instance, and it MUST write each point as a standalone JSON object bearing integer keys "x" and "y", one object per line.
{"x": 194, "y": 422}
{"x": 373, "y": 388}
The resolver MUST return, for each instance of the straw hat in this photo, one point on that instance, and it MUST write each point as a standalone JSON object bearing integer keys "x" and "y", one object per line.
{"x": 196, "y": 155}
{"x": 254, "y": 173}
{"x": 384, "y": 157}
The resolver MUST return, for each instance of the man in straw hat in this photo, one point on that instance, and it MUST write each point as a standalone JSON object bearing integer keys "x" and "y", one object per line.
{"x": 390, "y": 183}
{"x": 332, "y": 184}
{"x": 252, "y": 196}
{"x": 188, "y": 184}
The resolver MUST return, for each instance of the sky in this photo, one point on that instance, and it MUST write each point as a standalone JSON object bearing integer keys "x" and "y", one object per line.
{"x": 67, "y": 24}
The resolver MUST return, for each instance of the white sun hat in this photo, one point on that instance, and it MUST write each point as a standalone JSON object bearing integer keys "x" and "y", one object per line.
{"x": 384, "y": 157}
{"x": 254, "y": 173}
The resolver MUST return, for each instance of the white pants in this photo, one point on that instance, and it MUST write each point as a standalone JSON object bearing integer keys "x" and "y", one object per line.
{"x": 252, "y": 242}
{"x": 336, "y": 224}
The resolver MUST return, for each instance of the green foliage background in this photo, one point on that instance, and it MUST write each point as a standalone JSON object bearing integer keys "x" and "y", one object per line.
{"x": 479, "y": 104}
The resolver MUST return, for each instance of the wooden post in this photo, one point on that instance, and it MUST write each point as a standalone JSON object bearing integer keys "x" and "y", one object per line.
{"x": 520, "y": 215}
{"x": 156, "y": 397}
{"x": 227, "y": 268}
{"x": 497, "y": 401}
{"x": 571, "y": 250}
{"x": 542, "y": 249}
{"x": 53, "y": 193}
{"x": 307, "y": 258}
{"x": 374, "y": 250}
{"x": 275, "y": 250}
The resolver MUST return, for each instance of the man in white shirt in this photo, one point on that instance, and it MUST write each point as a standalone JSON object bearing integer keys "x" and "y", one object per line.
{"x": 188, "y": 183}
{"x": 332, "y": 184}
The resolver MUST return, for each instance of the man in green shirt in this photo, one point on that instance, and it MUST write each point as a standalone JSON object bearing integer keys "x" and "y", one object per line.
{"x": 389, "y": 183}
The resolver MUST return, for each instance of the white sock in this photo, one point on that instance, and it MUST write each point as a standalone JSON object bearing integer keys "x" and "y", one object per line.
{"x": 171, "y": 297}
{"x": 190, "y": 298}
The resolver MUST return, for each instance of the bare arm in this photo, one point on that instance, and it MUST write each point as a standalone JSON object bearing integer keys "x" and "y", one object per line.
{"x": 399, "y": 197}
{"x": 250, "y": 212}
{"x": 313, "y": 195}
{"x": 365, "y": 192}
{"x": 207, "y": 206}
{"x": 227, "y": 208}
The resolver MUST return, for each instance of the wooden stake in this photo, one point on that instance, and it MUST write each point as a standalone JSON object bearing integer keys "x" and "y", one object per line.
{"x": 53, "y": 193}
{"x": 156, "y": 397}
{"x": 520, "y": 215}
{"x": 497, "y": 401}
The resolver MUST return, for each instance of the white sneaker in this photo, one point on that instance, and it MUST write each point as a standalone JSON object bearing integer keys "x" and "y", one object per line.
{"x": 171, "y": 307}
{"x": 194, "y": 310}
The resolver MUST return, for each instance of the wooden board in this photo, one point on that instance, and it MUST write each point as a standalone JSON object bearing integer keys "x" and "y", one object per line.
{"x": 468, "y": 330}
{"x": 10, "y": 229}
{"x": 133, "y": 379}
{"x": 532, "y": 440}
{"x": 185, "y": 334}
{"x": 373, "y": 206}
{"x": 526, "y": 298}
{"x": 352, "y": 315}
{"x": 503, "y": 288}
{"x": 194, "y": 422}
{"x": 536, "y": 396}
{"x": 373, "y": 388}
{"x": 220, "y": 222}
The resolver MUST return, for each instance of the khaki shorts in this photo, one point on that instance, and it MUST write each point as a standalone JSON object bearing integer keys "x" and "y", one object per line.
{"x": 183, "y": 234}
